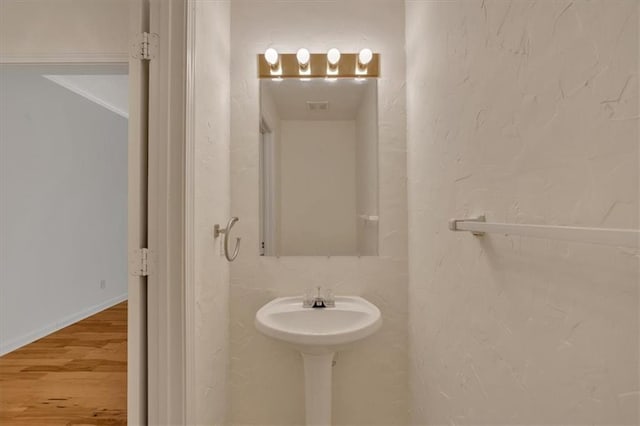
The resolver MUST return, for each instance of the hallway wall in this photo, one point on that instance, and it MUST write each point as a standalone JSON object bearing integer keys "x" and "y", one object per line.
{"x": 526, "y": 112}
{"x": 63, "y": 206}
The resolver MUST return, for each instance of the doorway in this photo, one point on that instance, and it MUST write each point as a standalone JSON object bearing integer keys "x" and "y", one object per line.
{"x": 63, "y": 196}
{"x": 150, "y": 37}
{"x": 63, "y": 251}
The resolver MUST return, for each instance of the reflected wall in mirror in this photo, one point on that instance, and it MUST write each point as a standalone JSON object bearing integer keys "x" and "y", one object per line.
{"x": 319, "y": 167}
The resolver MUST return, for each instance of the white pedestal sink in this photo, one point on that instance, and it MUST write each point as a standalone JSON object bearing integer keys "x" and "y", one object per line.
{"x": 318, "y": 333}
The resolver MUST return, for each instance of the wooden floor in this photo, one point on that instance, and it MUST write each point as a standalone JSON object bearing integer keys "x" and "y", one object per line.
{"x": 76, "y": 376}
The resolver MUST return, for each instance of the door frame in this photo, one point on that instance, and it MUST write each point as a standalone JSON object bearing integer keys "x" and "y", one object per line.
{"x": 189, "y": 218}
{"x": 166, "y": 319}
{"x": 267, "y": 189}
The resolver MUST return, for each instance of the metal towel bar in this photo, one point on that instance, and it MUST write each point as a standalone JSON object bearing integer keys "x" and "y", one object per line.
{"x": 607, "y": 236}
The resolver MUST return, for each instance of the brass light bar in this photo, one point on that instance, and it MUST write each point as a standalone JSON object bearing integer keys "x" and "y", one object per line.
{"x": 318, "y": 67}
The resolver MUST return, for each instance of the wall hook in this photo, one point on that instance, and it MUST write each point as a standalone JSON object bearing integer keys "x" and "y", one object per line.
{"x": 217, "y": 230}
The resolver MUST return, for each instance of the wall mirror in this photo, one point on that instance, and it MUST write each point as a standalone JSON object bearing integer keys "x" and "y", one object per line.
{"x": 319, "y": 167}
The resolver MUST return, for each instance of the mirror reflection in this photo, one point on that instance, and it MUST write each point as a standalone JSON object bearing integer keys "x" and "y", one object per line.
{"x": 319, "y": 167}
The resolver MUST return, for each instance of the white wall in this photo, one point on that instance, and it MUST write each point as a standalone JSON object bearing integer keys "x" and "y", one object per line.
{"x": 317, "y": 188}
{"x": 370, "y": 381}
{"x": 367, "y": 170}
{"x": 61, "y": 29}
{"x": 211, "y": 206}
{"x": 527, "y": 112}
{"x": 63, "y": 206}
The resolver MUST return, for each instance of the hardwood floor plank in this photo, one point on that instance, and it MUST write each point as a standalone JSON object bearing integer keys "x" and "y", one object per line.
{"x": 76, "y": 376}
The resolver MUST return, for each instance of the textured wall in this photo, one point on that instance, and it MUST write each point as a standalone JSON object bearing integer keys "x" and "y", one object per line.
{"x": 526, "y": 111}
{"x": 211, "y": 206}
{"x": 370, "y": 381}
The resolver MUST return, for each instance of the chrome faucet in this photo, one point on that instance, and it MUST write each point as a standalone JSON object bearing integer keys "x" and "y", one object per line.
{"x": 318, "y": 301}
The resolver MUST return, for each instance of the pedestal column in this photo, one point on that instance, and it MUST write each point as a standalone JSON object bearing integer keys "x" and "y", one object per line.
{"x": 317, "y": 388}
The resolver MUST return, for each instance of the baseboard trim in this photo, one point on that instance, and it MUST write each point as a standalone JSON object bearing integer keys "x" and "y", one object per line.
{"x": 21, "y": 341}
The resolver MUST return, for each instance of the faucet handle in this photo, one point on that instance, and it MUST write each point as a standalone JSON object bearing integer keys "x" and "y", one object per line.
{"x": 309, "y": 297}
{"x": 329, "y": 298}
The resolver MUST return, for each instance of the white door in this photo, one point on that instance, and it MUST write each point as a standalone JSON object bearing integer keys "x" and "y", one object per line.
{"x": 137, "y": 216}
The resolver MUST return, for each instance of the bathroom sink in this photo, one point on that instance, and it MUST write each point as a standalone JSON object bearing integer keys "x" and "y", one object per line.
{"x": 353, "y": 318}
{"x": 318, "y": 333}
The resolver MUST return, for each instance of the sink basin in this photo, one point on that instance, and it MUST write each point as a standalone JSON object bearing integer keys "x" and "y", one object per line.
{"x": 311, "y": 329}
{"x": 318, "y": 333}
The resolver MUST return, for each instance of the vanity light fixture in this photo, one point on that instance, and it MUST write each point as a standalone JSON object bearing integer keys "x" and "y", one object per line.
{"x": 333, "y": 58}
{"x": 303, "y": 56}
{"x": 273, "y": 59}
{"x": 304, "y": 64}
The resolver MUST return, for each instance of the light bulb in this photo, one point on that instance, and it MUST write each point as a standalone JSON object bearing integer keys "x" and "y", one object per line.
{"x": 365, "y": 56}
{"x": 303, "y": 56}
{"x": 333, "y": 56}
{"x": 271, "y": 56}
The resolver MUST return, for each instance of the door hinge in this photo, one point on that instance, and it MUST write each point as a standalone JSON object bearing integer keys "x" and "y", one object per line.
{"x": 146, "y": 46}
{"x": 140, "y": 260}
